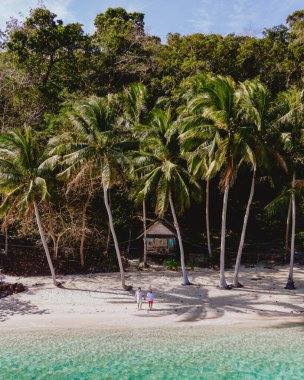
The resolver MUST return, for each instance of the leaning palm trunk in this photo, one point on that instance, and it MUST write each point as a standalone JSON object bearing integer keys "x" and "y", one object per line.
{"x": 109, "y": 229}
{"x": 290, "y": 283}
{"x": 223, "y": 283}
{"x": 288, "y": 227}
{"x": 180, "y": 242}
{"x": 207, "y": 218}
{"x": 236, "y": 283}
{"x": 145, "y": 232}
{"x": 44, "y": 243}
{"x": 52, "y": 233}
{"x": 121, "y": 269}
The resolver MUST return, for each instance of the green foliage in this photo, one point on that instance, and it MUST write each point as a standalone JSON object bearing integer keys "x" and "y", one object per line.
{"x": 290, "y": 106}
{"x": 120, "y": 109}
{"x": 171, "y": 264}
{"x": 163, "y": 169}
{"x": 21, "y": 101}
{"x": 93, "y": 143}
{"x": 49, "y": 51}
{"x": 22, "y": 180}
{"x": 114, "y": 27}
{"x": 127, "y": 52}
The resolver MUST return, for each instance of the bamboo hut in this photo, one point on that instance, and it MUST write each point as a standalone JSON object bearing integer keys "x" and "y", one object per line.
{"x": 161, "y": 238}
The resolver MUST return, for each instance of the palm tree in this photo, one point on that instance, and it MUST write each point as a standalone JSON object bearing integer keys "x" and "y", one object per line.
{"x": 198, "y": 147}
{"x": 134, "y": 99}
{"x": 164, "y": 173}
{"x": 198, "y": 150}
{"x": 255, "y": 106}
{"x": 291, "y": 108}
{"x": 218, "y": 107}
{"x": 134, "y": 103}
{"x": 280, "y": 202}
{"x": 95, "y": 142}
{"x": 22, "y": 182}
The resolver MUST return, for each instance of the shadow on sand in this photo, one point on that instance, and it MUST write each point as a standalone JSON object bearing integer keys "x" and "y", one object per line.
{"x": 193, "y": 303}
{"x": 11, "y": 306}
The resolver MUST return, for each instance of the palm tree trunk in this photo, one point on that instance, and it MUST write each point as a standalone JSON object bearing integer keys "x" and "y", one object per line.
{"x": 180, "y": 242}
{"x": 56, "y": 250}
{"x": 207, "y": 218}
{"x": 223, "y": 283}
{"x": 288, "y": 227}
{"x": 46, "y": 249}
{"x": 109, "y": 229}
{"x": 290, "y": 283}
{"x": 145, "y": 232}
{"x": 106, "y": 201}
{"x": 84, "y": 219}
{"x": 52, "y": 232}
{"x": 236, "y": 283}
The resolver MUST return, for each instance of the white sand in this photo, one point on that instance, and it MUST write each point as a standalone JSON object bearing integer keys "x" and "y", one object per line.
{"x": 97, "y": 301}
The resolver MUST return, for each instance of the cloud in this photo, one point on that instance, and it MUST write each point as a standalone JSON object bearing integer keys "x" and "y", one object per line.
{"x": 130, "y": 6}
{"x": 163, "y": 16}
{"x": 218, "y": 16}
{"x": 240, "y": 16}
{"x": 207, "y": 16}
{"x": 136, "y": 6}
{"x": 20, "y": 9}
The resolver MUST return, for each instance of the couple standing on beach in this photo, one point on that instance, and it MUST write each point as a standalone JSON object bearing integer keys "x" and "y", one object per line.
{"x": 140, "y": 296}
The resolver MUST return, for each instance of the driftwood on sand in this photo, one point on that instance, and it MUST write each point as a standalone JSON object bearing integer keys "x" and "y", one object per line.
{"x": 7, "y": 289}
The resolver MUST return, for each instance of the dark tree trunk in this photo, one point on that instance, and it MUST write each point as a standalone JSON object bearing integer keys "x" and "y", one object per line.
{"x": 208, "y": 219}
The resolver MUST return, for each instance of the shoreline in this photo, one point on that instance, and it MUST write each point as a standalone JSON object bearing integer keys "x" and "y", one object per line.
{"x": 96, "y": 302}
{"x": 249, "y": 324}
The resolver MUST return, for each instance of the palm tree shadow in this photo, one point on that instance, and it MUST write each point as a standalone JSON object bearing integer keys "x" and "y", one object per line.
{"x": 185, "y": 303}
{"x": 11, "y": 306}
{"x": 194, "y": 303}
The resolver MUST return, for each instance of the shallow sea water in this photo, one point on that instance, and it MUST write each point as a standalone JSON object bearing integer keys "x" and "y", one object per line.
{"x": 173, "y": 353}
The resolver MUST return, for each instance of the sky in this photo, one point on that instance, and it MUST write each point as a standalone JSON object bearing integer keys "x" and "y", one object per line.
{"x": 248, "y": 17}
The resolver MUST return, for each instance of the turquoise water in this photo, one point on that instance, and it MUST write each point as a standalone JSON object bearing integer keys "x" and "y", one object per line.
{"x": 176, "y": 353}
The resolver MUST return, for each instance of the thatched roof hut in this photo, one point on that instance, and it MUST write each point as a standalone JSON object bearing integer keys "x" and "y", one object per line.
{"x": 161, "y": 238}
{"x": 161, "y": 228}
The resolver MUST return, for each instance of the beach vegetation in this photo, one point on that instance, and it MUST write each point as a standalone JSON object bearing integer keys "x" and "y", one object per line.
{"x": 103, "y": 132}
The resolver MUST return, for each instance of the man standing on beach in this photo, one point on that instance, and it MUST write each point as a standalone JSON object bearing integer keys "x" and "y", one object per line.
{"x": 139, "y": 298}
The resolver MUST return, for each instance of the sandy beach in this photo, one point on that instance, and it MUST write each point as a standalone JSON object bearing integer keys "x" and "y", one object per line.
{"x": 97, "y": 301}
